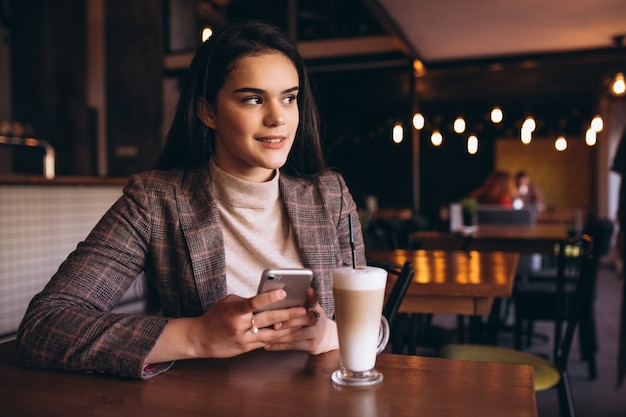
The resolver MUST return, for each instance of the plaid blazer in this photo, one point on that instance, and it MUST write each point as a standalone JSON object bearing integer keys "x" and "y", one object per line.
{"x": 167, "y": 224}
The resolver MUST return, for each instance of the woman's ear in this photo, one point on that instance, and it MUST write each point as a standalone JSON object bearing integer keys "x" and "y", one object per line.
{"x": 206, "y": 113}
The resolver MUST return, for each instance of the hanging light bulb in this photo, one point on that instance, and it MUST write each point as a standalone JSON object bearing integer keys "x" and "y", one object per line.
{"x": 207, "y": 32}
{"x": 496, "y": 115}
{"x": 590, "y": 136}
{"x": 526, "y": 136}
{"x": 436, "y": 138}
{"x": 472, "y": 144}
{"x": 560, "y": 144}
{"x": 398, "y": 133}
{"x": 459, "y": 125}
{"x": 418, "y": 68}
{"x": 529, "y": 124}
{"x": 597, "y": 124}
{"x": 418, "y": 121}
{"x": 619, "y": 85}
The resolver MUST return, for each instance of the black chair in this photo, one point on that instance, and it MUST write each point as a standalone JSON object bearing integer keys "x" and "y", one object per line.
{"x": 548, "y": 374}
{"x": 536, "y": 297}
{"x": 403, "y": 277}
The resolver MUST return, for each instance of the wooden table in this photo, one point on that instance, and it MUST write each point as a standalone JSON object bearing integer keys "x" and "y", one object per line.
{"x": 536, "y": 238}
{"x": 273, "y": 384}
{"x": 454, "y": 282}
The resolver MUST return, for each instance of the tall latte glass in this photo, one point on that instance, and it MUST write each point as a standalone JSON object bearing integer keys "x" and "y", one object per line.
{"x": 363, "y": 331}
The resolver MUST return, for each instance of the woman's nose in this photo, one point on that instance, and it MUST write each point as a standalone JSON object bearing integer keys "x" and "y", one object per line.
{"x": 274, "y": 115}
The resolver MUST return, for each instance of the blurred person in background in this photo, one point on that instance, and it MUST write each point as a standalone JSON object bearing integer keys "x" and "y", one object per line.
{"x": 498, "y": 189}
{"x": 528, "y": 192}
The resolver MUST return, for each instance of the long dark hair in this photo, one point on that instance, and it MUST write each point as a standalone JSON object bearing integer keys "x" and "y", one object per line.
{"x": 190, "y": 143}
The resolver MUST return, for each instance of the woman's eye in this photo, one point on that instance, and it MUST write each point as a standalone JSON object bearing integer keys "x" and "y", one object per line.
{"x": 289, "y": 99}
{"x": 252, "y": 100}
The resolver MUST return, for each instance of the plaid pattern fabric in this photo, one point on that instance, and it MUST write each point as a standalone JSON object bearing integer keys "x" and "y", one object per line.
{"x": 167, "y": 224}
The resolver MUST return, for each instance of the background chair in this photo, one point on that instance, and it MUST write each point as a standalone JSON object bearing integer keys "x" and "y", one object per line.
{"x": 403, "y": 277}
{"x": 536, "y": 297}
{"x": 547, "y": 373}
{"x": 408, "y": 331}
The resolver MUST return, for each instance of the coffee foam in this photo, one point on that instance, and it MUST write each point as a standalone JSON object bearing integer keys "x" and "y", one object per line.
{"x": 363, "y": 279}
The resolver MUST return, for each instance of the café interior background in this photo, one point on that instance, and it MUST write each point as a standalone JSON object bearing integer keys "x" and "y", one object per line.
{"x": 98, "y": 79}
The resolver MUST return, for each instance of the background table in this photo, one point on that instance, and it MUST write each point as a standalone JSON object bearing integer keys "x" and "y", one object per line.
{"x": 536, "y": 238}
{"x": 273, "y": 384}
{"x": 454, "y": 282}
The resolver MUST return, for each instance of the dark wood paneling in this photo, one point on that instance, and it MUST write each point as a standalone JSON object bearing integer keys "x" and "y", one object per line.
{"x": 48, "y": 71}
{"x": 134, "y": 84}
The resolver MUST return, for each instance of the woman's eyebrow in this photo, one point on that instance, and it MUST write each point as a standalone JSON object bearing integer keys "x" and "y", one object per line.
{"x": 261, "y": 91}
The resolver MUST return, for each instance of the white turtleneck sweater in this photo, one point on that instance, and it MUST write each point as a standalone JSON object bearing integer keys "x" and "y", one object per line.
{"x": 257, "y": 231}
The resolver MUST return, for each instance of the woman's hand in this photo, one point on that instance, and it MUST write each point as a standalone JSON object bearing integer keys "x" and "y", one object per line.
{"x": 315, "y": 333}
{"x": 228, "y": 329}
{"x": 231, "y": 328}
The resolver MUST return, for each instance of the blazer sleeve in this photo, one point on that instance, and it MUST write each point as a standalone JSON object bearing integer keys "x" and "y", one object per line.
{"x": 69, "y": 325}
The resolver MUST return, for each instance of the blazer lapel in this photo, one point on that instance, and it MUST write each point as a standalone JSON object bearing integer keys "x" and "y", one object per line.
{"x": 201, "y": 225}
{"x": 312, "y": 225}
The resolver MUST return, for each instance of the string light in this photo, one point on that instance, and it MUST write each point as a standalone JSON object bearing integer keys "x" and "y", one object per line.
{"x": 496, "y": 115}
{"x": 436, "y": 138}
{"x": 529, "y": 124}
{"x": 207, "y": 32}
{"x": 418, "y": 121}
{"x": 459, "y": 125}
{"x": 619, "y": 85}
{"x": 590, "y": 137}
{"x": 560, "y": 144}
{"x": 526, "y": 136}
{"x": 528, "y": 127}
{"x": 398, "y": 133}
{"x": 472, "y": 144}
{"x": 597, "y": 124}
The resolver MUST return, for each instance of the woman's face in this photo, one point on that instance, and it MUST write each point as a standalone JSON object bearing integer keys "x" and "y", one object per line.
{"x": 255, "y": 116}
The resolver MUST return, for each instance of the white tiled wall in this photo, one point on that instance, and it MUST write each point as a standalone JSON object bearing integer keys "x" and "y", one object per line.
{"x": 39, "y": 227}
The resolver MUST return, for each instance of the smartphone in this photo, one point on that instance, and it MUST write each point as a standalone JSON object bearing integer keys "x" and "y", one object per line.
{"x": 294, "y": 281}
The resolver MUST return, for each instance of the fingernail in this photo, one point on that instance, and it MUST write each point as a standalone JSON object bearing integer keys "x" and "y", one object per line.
{"x": 281, "y": 294}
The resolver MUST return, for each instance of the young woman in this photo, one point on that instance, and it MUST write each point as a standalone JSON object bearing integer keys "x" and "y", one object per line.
{"x": 498, "y": 189}
{"x": 241, "y": 186}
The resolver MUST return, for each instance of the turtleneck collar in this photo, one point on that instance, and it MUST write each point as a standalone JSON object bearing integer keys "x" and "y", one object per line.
{"x": 235, "y": 192}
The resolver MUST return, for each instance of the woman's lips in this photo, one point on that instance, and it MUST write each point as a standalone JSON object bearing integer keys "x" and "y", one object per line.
{"x": 271, "y": 139}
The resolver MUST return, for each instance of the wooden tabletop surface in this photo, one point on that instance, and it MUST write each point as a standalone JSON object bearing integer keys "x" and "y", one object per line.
{"x": 454, "y": 282}
{"x": 273, "y": 384}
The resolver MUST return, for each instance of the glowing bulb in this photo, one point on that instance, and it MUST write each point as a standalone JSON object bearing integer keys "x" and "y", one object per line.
{"x": 459, "y": 125}
{"x": 560, "y": 144}
{"x": 418, "y": 67}
{"x": 496, "y": 115}
{"x": 526, "y": 136}
{"x": 590, "y": 137}
{"x": 597, "y": 124}
{"x": 529, "y": 124}
{"x": 418, "y": 121}
{"x": 619, "y": 85}
{"x": 436, "y": 138}
{"x": 398, "y": 133}
{"x": 472, "y": 144}
{"x": 207, "y": 32}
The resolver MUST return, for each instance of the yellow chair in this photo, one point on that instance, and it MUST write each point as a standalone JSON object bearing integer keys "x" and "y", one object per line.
{"x": 548, "y": 374}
